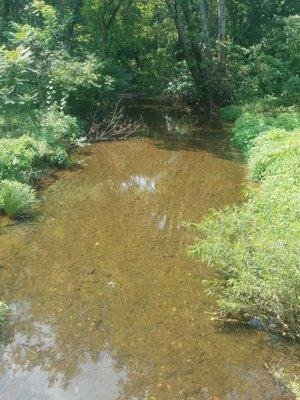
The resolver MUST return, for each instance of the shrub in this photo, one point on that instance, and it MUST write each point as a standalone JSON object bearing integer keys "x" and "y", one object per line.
{"x": 60, "y": 132}
{"x": 16, "y": 123}
{"x": 253, "y": 248}
{"x": 57, "y": 127}
{"x": 275, "y": 153}
{"x": 231, "y": 113}
{"x": 3, "y": 312}
{"x": 21, "y": 157}
{"x": 16, "y": 198}
{"x": 249, "y": 125}
{"x": 181, "y": 86}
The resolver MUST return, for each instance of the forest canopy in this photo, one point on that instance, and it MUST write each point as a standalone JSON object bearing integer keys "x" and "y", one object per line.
{"x": 201, "y": 51}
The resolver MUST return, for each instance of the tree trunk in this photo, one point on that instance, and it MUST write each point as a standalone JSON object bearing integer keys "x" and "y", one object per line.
{"x": 175, "y": 10}
{"x": 195, "y": 45}
{"x": 222, "y": 20}
{"x": 204, "y": 28}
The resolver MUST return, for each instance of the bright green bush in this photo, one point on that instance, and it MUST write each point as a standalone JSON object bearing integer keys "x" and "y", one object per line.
{"x": 16, "y": 123}
{"x": 249, "y": 125}
{"x": 16, "y": 198}
{"x": 20, "y": 158}
{"x": 254, "y": 248}
{"x": 60, "y": 132}
{"x": 57, "y": 127}
{"x": 275, "y": 153}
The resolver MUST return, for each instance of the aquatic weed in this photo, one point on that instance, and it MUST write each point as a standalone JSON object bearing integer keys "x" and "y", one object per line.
{"x": 3, "y": 312}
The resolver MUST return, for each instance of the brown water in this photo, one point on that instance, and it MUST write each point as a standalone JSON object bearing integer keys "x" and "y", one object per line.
{"x": 105, "y": 303}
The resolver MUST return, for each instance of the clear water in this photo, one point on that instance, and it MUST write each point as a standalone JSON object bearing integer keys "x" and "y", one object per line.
{"x": 105, "y": 303}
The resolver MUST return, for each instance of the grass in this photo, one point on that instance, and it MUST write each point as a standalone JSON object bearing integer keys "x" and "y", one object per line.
{"x": 276, "y": 153}
{"x": 254, "y": 248}
{"x": 16, "y": 198}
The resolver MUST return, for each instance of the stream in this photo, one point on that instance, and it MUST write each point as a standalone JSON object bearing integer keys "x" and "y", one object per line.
{"x": 105, "y": 303}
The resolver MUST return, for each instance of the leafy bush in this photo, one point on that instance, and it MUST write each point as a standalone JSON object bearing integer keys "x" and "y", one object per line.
{"x": 16, "y": 87}
{"x": 3, "y": 312}
{"x": 15, "y": 124}
{"x": 16, "y": 198}
{"x": 275, "y": 153}
{"x": 50, "y": 136}
{"x": 61, "y": 133}
{"x": 231, "y": 113}
{"x": 181, "y": 86}
{"x": 249, "y": 125}
{"x": 73, "y": 83}
{"x": 21, "y": 157}
{"x": 253, "y": 248}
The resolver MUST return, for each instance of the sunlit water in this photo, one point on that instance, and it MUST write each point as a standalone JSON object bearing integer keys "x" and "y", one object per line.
{"x": 105, "y": 304}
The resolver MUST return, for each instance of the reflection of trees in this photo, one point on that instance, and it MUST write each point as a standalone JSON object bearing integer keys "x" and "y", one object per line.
{"x": 64, "y": 327}
{"x": 99, "y": 274}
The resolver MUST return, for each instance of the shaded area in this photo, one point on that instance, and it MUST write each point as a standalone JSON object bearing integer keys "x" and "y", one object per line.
{"x": 106, "y": 305}
{"x": 185, "y": 130}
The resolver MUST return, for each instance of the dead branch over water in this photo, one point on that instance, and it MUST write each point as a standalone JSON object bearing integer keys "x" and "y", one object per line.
{"x": 116, "y": 126}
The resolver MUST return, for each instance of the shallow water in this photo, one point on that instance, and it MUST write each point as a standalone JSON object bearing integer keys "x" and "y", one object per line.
{"x": 105, "y": 303}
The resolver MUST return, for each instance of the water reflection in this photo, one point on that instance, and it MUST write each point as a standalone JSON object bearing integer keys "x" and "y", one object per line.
{"x": 182, "y": 130}
{"x": 162, "y": 222}
{"x": 94, "y": 380}
{"x": 143, "y": 183}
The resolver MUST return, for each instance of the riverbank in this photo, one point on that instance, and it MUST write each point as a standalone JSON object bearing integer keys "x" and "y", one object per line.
{"x": 27, "y": 148}
{"x": 253, "y": 248}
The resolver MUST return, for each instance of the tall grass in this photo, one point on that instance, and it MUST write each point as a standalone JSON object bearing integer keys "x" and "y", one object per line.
{"x": 250, "y": 125}
{"x": 254, "y": 248}
{"x": 16, "y": 198}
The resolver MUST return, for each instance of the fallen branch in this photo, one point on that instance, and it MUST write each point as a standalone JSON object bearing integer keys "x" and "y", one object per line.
{"x": 114, "y": 127}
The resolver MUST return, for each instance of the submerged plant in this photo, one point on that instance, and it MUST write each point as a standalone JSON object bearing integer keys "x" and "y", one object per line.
{"x": 16, "y": 198}
{"x": 3, "y": 312}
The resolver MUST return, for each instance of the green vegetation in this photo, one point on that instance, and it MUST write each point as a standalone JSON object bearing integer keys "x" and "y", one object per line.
{"x": 253, "y": 248}
{"x": 252, "y": 124}
{"x": 16, "y": 198}
{"x": 3, "y": 313}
